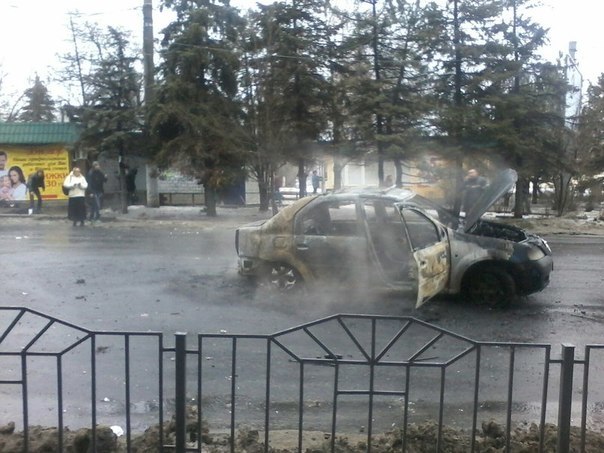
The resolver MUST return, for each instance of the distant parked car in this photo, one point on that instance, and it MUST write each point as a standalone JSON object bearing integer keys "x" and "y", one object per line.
{"x": 396, "y": 239}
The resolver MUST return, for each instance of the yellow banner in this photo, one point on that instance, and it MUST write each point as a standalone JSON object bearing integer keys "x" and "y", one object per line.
{"x": 54, "y": 160}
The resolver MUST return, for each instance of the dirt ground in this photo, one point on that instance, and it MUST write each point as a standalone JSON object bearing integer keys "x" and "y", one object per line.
{"x": 421, "y": 438}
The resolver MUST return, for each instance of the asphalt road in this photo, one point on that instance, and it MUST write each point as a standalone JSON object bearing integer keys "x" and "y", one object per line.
{"x": 181, "y": 277}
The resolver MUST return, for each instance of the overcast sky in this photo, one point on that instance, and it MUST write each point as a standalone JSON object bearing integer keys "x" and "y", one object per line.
{"x": 32, "y": 32}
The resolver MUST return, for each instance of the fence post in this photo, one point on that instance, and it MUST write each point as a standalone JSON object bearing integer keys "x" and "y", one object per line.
{"x": 566, "y": 398}
{"x": 181, "y": 390}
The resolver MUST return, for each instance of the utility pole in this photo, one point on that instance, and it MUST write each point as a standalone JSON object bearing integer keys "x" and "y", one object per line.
{"x": 457, "y": 104}
{"x": 149, "y": 73}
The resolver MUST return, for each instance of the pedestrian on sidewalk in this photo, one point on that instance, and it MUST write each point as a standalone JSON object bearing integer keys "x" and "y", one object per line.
{"x": 131, "y": 184}
{"x": 76, "y": 184}
{"x": 96, "y": 179}
{"x": 35, "y": 182}
{"x": 316, "y": 181}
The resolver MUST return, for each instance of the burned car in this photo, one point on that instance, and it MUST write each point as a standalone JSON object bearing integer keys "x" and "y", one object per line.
{"x": 396, "y": 239}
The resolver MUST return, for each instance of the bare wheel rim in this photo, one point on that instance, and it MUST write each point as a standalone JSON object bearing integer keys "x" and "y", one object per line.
{"x": 284, "y": 278}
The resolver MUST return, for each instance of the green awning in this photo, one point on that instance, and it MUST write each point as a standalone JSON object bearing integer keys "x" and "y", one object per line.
{"x": 38, "y": 133}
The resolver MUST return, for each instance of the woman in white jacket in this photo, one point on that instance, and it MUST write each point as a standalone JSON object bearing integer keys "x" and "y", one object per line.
{"x": 76, "y": 183}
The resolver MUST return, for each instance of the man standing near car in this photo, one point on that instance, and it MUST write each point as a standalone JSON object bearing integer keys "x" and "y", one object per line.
{"x": 473, "y": 186}
{"x": 96, "y": 179}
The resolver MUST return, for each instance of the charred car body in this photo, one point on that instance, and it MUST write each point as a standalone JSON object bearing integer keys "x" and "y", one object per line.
{"x": 396, "y": 239}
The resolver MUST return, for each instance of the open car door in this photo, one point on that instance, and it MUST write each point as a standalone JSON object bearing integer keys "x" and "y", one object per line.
{"x": 430, "y": 248}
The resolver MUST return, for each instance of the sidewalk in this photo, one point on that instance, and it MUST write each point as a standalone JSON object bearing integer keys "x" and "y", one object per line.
{"x": 237, "y": 214}
{"x": 232, "y": 215}
{"x": 574, "y": 223}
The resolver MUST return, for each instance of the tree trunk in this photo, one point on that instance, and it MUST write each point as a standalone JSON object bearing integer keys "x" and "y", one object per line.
{"x": 123, "y": 191}
{"x": 263, "y": 192}
{"x": 152, "y": 186}
{"x": 562, "y": 193}
{"x": 522, "y": 202}
{"x": 338, "y": 166}
{"x": 302, "y": 177}
{"x": 536, "y": 191}
{"x": 398, "y": 166}
{"x": 211, "y": 196}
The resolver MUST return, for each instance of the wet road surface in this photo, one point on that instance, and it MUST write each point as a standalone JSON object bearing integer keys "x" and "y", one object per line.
{"x": 181, "y": 277}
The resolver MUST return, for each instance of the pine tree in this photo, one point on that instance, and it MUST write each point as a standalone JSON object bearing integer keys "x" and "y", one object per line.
{"x": 293, "y": 88}
{"x": 590, "y": 141}
{"x": 491, "y": 103}
{"x": 111, "y": 109}
{"x": 196, "y": 114}
{"x": 391, "y": 55}
{"x": 407, "y": 60}
{"x": 39, "y": 106}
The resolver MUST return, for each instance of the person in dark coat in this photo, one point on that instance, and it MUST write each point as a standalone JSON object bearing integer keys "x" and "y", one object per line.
{"x": 473, "y": 186}
{"x": 131, "y": 184}
{"x": 316, "y": 181}
{"x": 35, "y": 182}
{"x": 96, "y": 179}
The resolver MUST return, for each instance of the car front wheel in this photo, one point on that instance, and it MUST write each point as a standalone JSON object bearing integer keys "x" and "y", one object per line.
{"x": 490, "y": 286}
{"x": 284, "y": 278}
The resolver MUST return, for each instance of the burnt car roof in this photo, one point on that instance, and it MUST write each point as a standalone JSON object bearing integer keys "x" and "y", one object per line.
{"x": 496, "y": 189}
{"x": 394, "y": 193}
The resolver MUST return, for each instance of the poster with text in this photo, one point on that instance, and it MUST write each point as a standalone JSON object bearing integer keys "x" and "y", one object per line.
{"x": 18, "y": 163}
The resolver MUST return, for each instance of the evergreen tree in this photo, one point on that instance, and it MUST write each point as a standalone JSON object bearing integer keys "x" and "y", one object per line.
{"x": 590, "y": 141}
{"x": 290, "y": 87}
{"x": 112, "y": 114}
{"x": 267, "y": 135}
{"x": 370, "y": 28}
{"x": 111, "y": 109}
{"x": 520, "y": 99}
{"x": 293, "y": 88}
{"x": 491, "y": 89}
{"x": 408, "y": 58}
{"x": 39, "y": 106}
{"x": 342, "y": 135}
{"x": 391, "y": 58}
{"x": 196, "y": 115}
{"x": 458, "y": 80}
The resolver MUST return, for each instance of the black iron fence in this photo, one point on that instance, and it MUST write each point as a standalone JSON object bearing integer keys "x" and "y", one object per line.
{"x": 343, "y": 374}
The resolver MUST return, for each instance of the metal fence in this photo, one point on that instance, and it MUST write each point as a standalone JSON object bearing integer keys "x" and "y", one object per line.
{"x": 345, "y": 373}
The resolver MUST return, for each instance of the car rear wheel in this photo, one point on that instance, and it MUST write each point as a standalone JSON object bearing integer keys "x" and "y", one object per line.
{"x": 490, "y": 286}
{"x": 284, "y": 278}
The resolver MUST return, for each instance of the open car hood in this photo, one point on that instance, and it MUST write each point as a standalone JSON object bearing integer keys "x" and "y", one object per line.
{"x": 501, "y": 185}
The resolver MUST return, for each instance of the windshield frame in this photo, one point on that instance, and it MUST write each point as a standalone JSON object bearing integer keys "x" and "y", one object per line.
{"x": 443, "y": 215}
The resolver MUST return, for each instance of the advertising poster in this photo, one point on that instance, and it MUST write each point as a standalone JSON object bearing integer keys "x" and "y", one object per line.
{"x": 17, "y": 163}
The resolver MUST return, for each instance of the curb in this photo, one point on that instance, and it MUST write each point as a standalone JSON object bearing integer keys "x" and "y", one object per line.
{"x": 235, "y": 216}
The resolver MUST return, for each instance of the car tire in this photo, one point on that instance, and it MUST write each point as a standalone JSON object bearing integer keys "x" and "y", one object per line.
{"x": 490, "y": 286}
{"x": 283, "y": 278}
